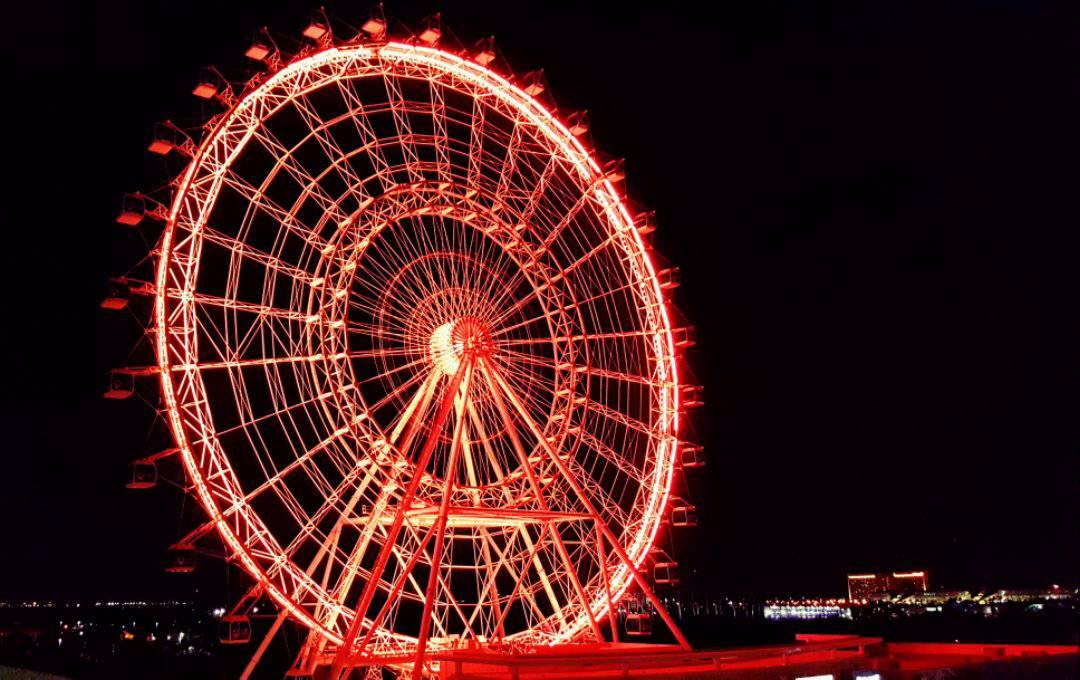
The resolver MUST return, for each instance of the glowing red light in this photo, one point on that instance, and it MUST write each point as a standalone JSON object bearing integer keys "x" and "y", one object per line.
{"x": 437, "y": 341}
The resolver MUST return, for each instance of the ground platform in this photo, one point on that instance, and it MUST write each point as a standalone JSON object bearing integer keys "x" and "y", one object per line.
{"x": 817, "y": 657}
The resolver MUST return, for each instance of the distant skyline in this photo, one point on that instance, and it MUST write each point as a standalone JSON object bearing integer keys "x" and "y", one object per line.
{"x": 872, "y": 210}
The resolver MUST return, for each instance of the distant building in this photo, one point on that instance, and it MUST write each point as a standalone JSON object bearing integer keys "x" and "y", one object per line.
{"x": 864, "y": 586}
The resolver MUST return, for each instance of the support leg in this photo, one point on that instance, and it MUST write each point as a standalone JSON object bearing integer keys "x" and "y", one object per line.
{"x": 439, "y": 528}
{"x": 557, "y": 541}
{"x": 392, "y": 534}
{"x": 602, "y": 555}
{"x": 590, "y": 508}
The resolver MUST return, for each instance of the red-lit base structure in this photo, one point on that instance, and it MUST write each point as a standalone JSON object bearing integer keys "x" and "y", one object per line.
{"x": 820, "y": 657}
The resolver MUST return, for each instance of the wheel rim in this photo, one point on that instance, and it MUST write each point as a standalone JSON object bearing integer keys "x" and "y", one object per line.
{"x": 485, "y": 222}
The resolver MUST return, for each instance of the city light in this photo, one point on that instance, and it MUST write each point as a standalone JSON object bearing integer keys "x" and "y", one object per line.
{"x": 806, "y": 612}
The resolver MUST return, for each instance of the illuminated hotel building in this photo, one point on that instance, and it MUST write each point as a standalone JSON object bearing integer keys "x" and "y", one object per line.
{"x": 864, "y": 586}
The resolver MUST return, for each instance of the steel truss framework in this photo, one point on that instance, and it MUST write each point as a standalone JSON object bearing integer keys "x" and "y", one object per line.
{"x": 416, "y": 357}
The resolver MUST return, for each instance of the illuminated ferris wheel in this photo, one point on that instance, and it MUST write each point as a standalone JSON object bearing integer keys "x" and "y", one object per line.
{"x": 415, "y": 352}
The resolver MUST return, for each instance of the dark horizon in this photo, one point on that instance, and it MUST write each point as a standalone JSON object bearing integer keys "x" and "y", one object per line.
{"x": 870, "y": 207}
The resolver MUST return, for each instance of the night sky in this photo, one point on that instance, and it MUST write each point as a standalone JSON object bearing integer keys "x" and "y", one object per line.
{"x": 873, "y": 206}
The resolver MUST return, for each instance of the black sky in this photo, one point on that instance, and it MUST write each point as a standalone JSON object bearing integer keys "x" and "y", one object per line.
{"x": 874, "y": 207}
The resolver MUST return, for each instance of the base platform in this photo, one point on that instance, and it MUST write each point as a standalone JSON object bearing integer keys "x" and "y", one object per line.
{"x": 816, "y": 657}
{"x": 836, "y": 657}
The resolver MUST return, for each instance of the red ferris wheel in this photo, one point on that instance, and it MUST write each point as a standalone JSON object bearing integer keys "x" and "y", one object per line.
{"x": 416, "y": 353}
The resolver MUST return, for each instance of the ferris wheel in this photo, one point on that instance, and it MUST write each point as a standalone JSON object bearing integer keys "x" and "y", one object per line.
{"x": 415, "y": 351}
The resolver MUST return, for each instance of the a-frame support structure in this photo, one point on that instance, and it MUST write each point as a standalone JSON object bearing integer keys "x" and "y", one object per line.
{"x": 475, "y": 370}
